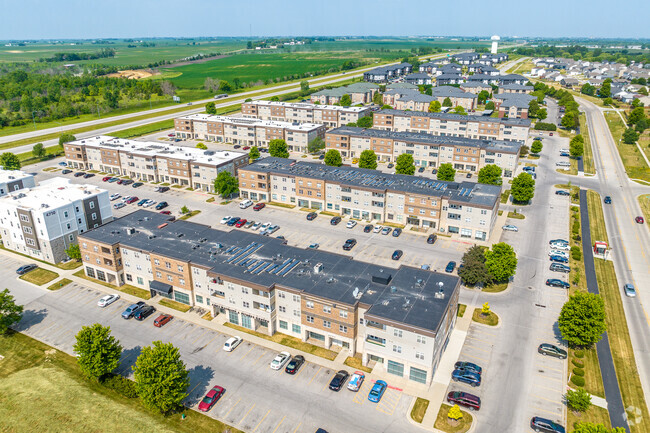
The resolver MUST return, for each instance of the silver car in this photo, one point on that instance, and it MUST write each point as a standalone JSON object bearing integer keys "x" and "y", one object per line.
{"x": 629, "y": 290}
{"x": 510, "y": 228}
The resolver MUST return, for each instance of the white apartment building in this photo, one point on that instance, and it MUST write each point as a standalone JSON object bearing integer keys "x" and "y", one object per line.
{"x": 14, "y": 180}
{"x": 43, "y": 221}
{"x": 332, "y": 116}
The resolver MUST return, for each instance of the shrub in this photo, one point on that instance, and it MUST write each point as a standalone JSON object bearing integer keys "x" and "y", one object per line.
{"x": 579, "y": 371}
{"x": 576, "y": 254}
{"x": 122, "y": 385}
{"x": 578, "y": 363}
{"x": 576, "y": 279}
{"x": 575, "y": 228}
{"x": 579, "y": 354}
{"x": 578, "y": 380}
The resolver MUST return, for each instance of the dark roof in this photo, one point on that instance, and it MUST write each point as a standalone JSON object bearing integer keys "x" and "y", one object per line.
{"x": 515, "y": 99}
{"x": 451, "y": 92}
{"x": 409, "y": 297}
{"x": 517, "y": 87}
{"x": 417, "y": 75}
{"x": 457, "y": 117}
{"x": 449, "y": 77}
{"x": 417, "y": 97}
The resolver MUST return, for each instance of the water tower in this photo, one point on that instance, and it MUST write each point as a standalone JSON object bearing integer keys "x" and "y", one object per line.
{"x": 495, "y": 44}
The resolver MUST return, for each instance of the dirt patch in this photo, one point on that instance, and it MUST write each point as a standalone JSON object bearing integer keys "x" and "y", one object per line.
{"x": 14, "y": 51}
{"x": 191, "y": 62}
{"x": 131, "y": 74}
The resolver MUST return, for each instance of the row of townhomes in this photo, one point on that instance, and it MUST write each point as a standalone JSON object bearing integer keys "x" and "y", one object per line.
{"x": 360, "y": 93}
{"x": 247, "y": 131}
{"x": 383, "y": 74}
{"x": 152, "y": 161}
{"x": 459, "y": 208}
{"x": 399, "y": 318}
{"x": 465, "y": 154}
{"x": 13, "y": 180}
{"x": 43, "y": 221}
{"x": 332, "y": 116}
{"x": 453, "y": 125}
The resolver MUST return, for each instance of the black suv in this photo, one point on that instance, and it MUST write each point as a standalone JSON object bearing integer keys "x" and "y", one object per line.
{"x": 554, "y": 282}
{"x": 368, "y": 228}
{"x": 559, "y": 267}
{"x": 349, "y": 244}
{"x": 545, "y": 425}
{"x": 339, "y": 380}
{"x": 311, "y": 216}
{"x": 562, "y": 192}
{"x": 432, "y": 239}
{"x": 144, "y": 312}
{"x": 334, "y": 221}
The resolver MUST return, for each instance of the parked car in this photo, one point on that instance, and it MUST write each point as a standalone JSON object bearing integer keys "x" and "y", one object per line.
{"x": 66, "y": 171}
{"x": 232, "y": 343}
{"x": 421, "y": 170}
{"x": 469, "y": 175}
{"x": 367, "y": 228}
{"x": 510, "y": 228}
{"x": 467, "y": 377}
{"x": 554, "y": 282}
{"x": 397, "y": 254}
{"x": 294, "y": 365}
{"x": 551, "y": 350}
{"x": 464, "y": 399}
{"x": 559, "y": 259}
{"x": 149, "y": 203}
{"x": 132, "y": 309}
{"x": 377, "y": 229}
{"x": 240, "y": 223}
{"x": 245, "y": 204}
{"x": 311, "y": 216}
{"x": 639, "y": 220}
{"x": 434, "y": 171}
{"x": 377, "y": 391}
{"x": 562, "y": 192}
{"x": 356, "y": 380}
{"x": 386, "y": 230}
{"x": 349, "y": 244}
{"x": 271, "y": 229}
{"x": 258, "y": 206}
{"x": 26, "y": 268}
{"x": 560, "y": 246}
{"x": 432, "y": 239}
{"x": 558, "y": 241}
{"x": 279, "y": 360}
{"x": 162, "y": 320}
{"x": 256, "y": 226}
{"x": 470, "y": 366}
{"x": 425, "y": 267}
{"x": 119, "y": 205}
{"x": 335, "y": 220}
{"x": 162, "y": 189}
{"x": 225, "y": 219}
{"x": 131, "y": 200}
{"x": 249, "y": 224}
{"x": 558, "y": 267}
{"x": 351, "y": 224}
{"x": 144, "y": 312}
{"x": 143, "y": 201}
{"x": 397, "y": 232}
{"x": 113, "y": 179}
{"x": 126, "y": 182}
{"x": 629, "y": 290}
{"x": 545, "y": 425}
{"x": 232, "y": 221}
{"x": 79, "y": 174}
{"x": 338, "y": 380}
{"x": 211, "y": 398}
{"x": 107, "y": 300}
{"x": 161, "y": 205}
{"x": 450, "y": 267}
{"x": 88, "y": 175}
{"x": 390, "y": 165}
{"x": 114, "y": 196}
{"x": 137, "y": 185}
{"x": 608, "y": 200}
{"x": 314, "y": 246}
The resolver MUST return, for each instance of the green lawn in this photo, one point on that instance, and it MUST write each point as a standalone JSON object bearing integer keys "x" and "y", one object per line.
{"x": 491, "y": 319}
{"x": 175, "y": 305}
{"x": 461, "y": 310}
{"x": 596, "y": 217}
{"x": 60, "y": 399}
{"x": 594, "y": 414}
{"x": 635, "y": 165}
{"x": 644, "y": 202}
{"x": 588, "y": 156}
{"x": 357, "y": 363}
{"x": 59, "y": 284}
{"x": 419, "y": 409}
{"x": 443, "y": 424}
{"x": 39, "y": 276}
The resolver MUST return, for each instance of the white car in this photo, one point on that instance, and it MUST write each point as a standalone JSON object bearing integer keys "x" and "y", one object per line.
{"x": 564, "y": 150}
{"x": 377, "y": 229}
{"x": 351, "y": 224}
{"x": 245, "y": 204}
{"x": 225, "y": 219}
{"x": 231, "y": 343}
{"x": 256, "y": 226}
{"x": 272, "y": 229}
{"x": 107, "y": 300}
{"x": 560, "y": 246}
{"x": 115, "y": 196}
{"x": 149, "y": 203}
{"x": 119, "y": 205}
{"x": 125, "y": 198}
{"x": 265, "y": 226}
{"x": 510, "y": 228}
{"x": 558, "y": 253}
{"x": 563, "y": 164}
{"x": 279, "y": 360}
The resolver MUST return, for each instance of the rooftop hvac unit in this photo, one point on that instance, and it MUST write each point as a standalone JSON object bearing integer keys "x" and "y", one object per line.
{"x": 382, "y": 279}
{"x": 130, "y": 230}
{"x": 318, "y": 268}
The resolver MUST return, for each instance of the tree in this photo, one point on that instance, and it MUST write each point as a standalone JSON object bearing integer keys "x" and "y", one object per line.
{"x": 485, "y": 309}
{"x": 98, "y": 352}
{"x": 274, "y": 98}
{"x": 386, "y": 107}
{"x": 38, "y": 150}
{"x": 9, "y": 161}
{"x": 161, "y": 377}
{"x": 66, "y": 138}
{"x": 365, "y": 122}
{"x": 455, "y": 413}
{"x": 304, "y": 86}
{"x": 185, "y": 210}
{"x": 74, "y": 252}
{"x": 579, "y": 400}
{"x": 167, "y": 88}
{"x": 459, "y": 110}
{"x": 368, "y": 159}
{"x": 536, "y": 147}
{"x": 641, "y": 126}
{"x": 523, "y": 188}
{"x": 404, "y": 164}
{"x": 447, "y": 102}
{"x": 568, "y": 120}
{"x": 254, "y": 153}
{"x": 605, "y": 89}
{"x": 473, "y": 271}
{"x": 333, "y": 158}
{"x": 588, "y": 89}
{"x": 490, "y": 175}
{"x": 635, "y": 115}
{"x": 278, "y": 148}
{"x": 446, "y": 172}
{"x": 315, "y": 145}
{"x": 210, "y": 108}
{"x": 533, "y": 108}
{"x": 582, "y": 319}
{"x": 489, "y": 105}
{"x": 224, "y": 85}
{"x": 576, "y": 146}
{"x": 588, "y": 427}
{"x": 201, "y": 146}
{"x": 501, "y": 262}
{"x": 434, "y": 107}
{"x": 346, "y": 100}
{"x": 542, "y": 114}
{"x": 483, "y": 96}
{"x": 378, "y": 99}
{"x": 226, "y": 184}
{"x": 10, "y": 312}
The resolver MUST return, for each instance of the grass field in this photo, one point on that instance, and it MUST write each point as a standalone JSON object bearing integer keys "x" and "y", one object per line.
{"x": 39, "y": 276}
{"x": 588, "y": 156}
{"x": 442, "y": 424}
{"x": 644, "y": 202}
{"x": 42, "y": 389}
{"x": 635, "y": 165}
{"x": 596, "y": 217}
{"x": 59, "y": 284}
{"x": 357, "y": 363}
{"x": 419, "y": 409}
{"x": 490, "y": 319}
{"x": 594, "y": 414}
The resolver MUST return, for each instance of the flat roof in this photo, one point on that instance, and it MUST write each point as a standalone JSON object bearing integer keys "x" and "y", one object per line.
{"x": 472, "y": 193}
{"x": 456, "y": 117}
{"x": 51, "y": 193}
{"x": 13, "y": 175}
{"x": 309, "y": 106}
{"x": 406, "y": 295}
{"x": 248, "y": 122}
{"x": 156, "y": 149}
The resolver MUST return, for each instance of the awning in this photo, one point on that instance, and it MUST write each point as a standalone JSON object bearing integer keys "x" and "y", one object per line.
{"x": 159, "y": 287}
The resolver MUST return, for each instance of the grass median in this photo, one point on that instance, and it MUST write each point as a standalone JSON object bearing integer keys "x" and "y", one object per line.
{"x": 419, "y": 409}
{"x": 59, "y": 284}
{"x": 357, "y": 363}
{"x": 644, "y": 202}
{"x": 175, "y": 305}
{"x": 588, "y": 156}
{"x": 39, "y": 276}
{"x": 635, "y": 165}
{"x": 596, "y": 217}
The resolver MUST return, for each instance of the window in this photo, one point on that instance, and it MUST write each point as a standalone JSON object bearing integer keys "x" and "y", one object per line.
{"x": 140, "y": 281}
{"x": 90, "y": 272}
{"x": 282, "y": 309}
{"x": 129, "y": 277}
{"x": 158, "y": 275}
{"x": 343, "y": 329}
{"x": 310, "y": 319}
{"x": 244, "y": 290}
{"x": 422, "y": 339}
{"x": 181, "y": 281}
{"x": 309, "y": 304}
{"x": 280, "y": 294}
{"x": 295, "y": 328}
{"x": 296, "y": 298}
{"x": 343, "y": 314}
{"x": 417, "y": 375}
{"x": 419, "y": 355}
{"x": 27, "y": 230}
{"x": 296, "y": 313}
{"x": 168, "y": 265}
{"x": 327, "y": 309}
{"x": 156, "y": 261}
{"x": 91, "y": 205}
{"x": 180, "y": 268}
{"x": 395, "y": 368}
{"x": 283, "y": 324}
{"x": 246, "y": 304}
{"x": 93, "y": 216}
{"x": 327, "y": 324}
{"x": 397, "y": 349}
{"x": 397, "y": 332}
{"x": 170, "y": 278}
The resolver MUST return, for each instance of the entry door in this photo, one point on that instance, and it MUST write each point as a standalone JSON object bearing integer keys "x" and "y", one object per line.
{"x": 246, "y": 321}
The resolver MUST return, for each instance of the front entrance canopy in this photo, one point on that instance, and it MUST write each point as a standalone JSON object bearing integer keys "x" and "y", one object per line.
{"x": 159, "y": 287}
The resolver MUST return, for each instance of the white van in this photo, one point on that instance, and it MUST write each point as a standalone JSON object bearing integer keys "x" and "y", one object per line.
{"x": 563, "y": 164}
{"x": 245, "y": 204}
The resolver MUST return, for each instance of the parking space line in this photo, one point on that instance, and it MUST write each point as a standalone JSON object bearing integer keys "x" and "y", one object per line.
{"x": 249, "y": 411}
{"x": 544, "y": 398}
{"x": 201, "y": 335}
{"x": 482, "y": 349}
{"x": 263, "y": 418}
{"x": 314, "y": 376}
{"x": 246, "y": 354}
{"x": 230, "y": 410}
{"x": 547, "y": 411}
{"x": 475, "y": 357}
{"x": 364, "y": 388}
{"x": 551, "y": 378}
{"x": 550, "y": 368}
{"x": 259, "y": 357}
{"x": 297, "y": 427}
{"x": 299, "y": 371}
{"x": 195, "y": 386}
{"x": 278, "y": 426}
{"x": 549, "y": 389}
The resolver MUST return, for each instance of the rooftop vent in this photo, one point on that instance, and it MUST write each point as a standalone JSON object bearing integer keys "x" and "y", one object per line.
{"x": 382, "y": 278}
{"x": 393, "y": 289}
{"x": 318, "y": 268}
{"x": 130, "y": 230}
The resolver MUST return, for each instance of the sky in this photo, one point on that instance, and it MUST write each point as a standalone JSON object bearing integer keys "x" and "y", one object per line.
{"x": 88, "y": 19}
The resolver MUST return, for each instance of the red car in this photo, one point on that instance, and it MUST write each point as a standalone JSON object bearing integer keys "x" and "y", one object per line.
{"x": 464, "y": 399}
{"x": 245, "y": 148}
{"x": 132, "y": 200}
{"x": 165, "y": 212}
{"x": 162, "y": 320}
{"x": 211, "y": 398}
{"x": 639, "y": 220}
{"x": 240, "y": 223}
{"x": 259, "y": 206}
{"x": 105, "y": 179}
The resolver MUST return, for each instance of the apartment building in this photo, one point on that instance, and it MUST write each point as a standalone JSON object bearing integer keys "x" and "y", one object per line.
{"x": 465, "y": 154}
{"x": 460, "y": 208}
{"x": 152, "y": 161}
{"x": 399, "y": 318}
{"x": 246, "y": 131}
{"x": 360, "y": 93}
{"x": 457, "y": 97}
{"x": 43, "y": 221}
{"x": 414, "y": 101}
{"x": 516, "y": 88}
{"x": 387, "y": 73}
{"x": 453, "y": 125}
{"x": 332, "y": 116}
{"x": 513, "y": 105}
{"x": 14, "y": 180}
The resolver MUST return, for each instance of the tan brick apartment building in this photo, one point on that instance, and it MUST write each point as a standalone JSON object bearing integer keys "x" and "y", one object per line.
{"x": 465, "y": 154}
{"x": 153, "y": 162}
{"x": 332, "y": 116}
{"x": 453, "y": 125}
{"x": 466, "y": 209}
{"x": 399, "y": 318}
{"x": 246, "y": 131}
